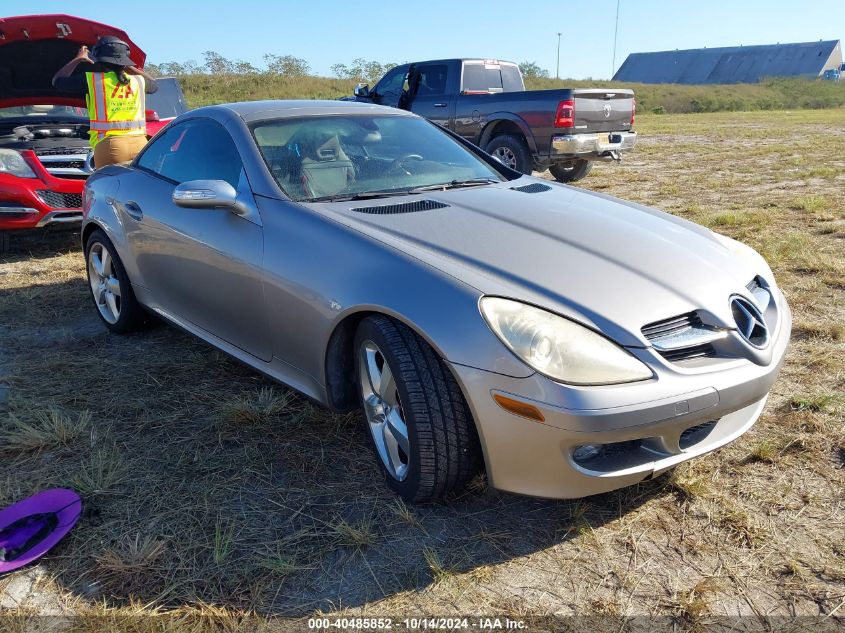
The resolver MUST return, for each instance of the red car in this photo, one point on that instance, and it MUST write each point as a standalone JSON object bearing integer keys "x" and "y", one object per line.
{"x": 44, "y": 152}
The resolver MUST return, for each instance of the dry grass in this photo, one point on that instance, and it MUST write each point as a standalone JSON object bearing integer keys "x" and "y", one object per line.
{"x": 215, "y": 498}
{"x": 46, "y": 429}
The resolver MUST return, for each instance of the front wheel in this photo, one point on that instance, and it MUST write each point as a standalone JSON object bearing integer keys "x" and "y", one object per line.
{"x": 572, "y": 171}
{"x": 511, "y": 151}
{"x": 419, "y": 423}
{"x": 110, "y": 287}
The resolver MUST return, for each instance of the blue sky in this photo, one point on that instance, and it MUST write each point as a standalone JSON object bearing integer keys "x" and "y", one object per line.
{"x": 326, "y": 32}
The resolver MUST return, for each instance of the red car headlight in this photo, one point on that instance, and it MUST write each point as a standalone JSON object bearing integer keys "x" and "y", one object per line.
{"x": 12, "y": 163}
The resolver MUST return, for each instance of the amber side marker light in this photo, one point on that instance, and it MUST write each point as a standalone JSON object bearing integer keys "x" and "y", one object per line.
{"x": 521, "y": 409}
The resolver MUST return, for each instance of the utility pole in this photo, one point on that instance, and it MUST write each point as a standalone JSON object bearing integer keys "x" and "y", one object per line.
{"x": 557, "y": 72}
{"x": 615, "y": 33}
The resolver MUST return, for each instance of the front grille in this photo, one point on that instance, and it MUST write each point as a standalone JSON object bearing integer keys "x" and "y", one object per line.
{"x": 534, "y": 187}
{"x": 59, "y": 200}
{"x": 675, "y": 328}
{"x": 667, "y": 327}
{"x": 406, "y": 207}
{"x": 60, "y": 151}
{"x": 686, "y": 353}
{"x": 66, "y": 164}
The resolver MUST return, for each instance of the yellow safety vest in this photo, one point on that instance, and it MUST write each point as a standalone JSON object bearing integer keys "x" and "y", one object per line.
{"x": 115, "y": 108}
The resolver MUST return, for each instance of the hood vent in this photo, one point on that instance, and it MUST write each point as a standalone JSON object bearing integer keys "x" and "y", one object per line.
{"x": 534, "y": 187}
{"x": 405, "y": 207}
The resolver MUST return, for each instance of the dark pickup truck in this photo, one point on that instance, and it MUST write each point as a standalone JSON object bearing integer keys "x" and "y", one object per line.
{"x": 485, "y": 102}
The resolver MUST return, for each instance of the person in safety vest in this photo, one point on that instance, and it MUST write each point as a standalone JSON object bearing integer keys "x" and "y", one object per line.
{"x": 115, "y": 92}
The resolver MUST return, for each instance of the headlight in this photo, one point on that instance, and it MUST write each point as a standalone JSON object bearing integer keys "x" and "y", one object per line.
{"x": 11, "y": 162}
{"x": 559, "y": 348}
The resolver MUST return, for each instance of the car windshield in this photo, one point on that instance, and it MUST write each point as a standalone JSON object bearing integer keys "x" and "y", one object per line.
{"x": 45, "y": 113}
{"x": 359, "y": 156}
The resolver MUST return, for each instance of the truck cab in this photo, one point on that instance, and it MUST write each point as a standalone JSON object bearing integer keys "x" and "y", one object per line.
{"x": 485, "y": 102}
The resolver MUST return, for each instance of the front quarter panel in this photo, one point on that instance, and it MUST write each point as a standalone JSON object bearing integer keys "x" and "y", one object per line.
{"x": 318, "y": 272}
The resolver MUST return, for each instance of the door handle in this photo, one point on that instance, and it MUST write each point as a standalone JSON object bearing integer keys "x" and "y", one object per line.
{"x": 133, "y": 210}
{"x": 440, "y": 105}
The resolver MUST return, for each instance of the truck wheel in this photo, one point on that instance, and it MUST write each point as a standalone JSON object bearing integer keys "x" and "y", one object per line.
{"x": 512, "y": 151}
{"x": 570, "y": 172}
{"x": 419, "y": 423}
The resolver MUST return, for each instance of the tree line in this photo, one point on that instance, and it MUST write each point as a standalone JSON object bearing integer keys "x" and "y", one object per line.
{"x": 291, "y": 66}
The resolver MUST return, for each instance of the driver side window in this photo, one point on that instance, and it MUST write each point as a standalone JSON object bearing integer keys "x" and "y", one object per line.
{"x": 200, "y": 149}
{"x": 392, "y": 85}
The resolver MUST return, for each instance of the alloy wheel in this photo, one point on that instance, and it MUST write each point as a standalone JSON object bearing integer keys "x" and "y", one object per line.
{"x": 505, "y": 156}
{"x": 105, "y": 285}
{"x": 383, "y": 410}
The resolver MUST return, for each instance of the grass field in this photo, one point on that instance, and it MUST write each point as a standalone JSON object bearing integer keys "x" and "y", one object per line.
{"x": 769, "y": 94}
{"x": 212, "y": 493}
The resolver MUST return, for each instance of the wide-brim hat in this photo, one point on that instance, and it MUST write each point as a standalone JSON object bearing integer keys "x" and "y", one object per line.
{"x": 29, "y": 528}
{"x": 111, "y": 50}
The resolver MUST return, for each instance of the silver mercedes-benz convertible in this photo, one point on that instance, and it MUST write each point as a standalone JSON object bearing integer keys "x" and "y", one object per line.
{"x": 568, "y": 342}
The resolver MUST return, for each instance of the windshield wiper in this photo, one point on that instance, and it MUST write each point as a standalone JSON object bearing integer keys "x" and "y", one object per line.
{"x": 358, "y": 196}
{"x": 455, "y": 184}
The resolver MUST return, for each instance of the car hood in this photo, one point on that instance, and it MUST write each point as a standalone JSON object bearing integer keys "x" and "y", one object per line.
{"x": 605, "y": 262}
{"x": 34, "y": 47}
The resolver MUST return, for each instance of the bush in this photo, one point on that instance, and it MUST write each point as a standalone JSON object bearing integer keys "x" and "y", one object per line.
{"x": 220, "y": 80}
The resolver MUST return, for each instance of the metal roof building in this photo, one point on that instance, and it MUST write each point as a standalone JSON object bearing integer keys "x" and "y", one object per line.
{"x": 732, "y": 64}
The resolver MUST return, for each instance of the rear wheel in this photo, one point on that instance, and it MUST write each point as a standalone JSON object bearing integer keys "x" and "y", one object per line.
{"x": 512, "y": 151}
{"x": 421, "y": 428}
{"x": 572, "y": 171}
{"x": 110, "y": 287}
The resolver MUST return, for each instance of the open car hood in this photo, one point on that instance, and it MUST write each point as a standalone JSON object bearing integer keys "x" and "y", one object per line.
{"x": 34, "y": 47}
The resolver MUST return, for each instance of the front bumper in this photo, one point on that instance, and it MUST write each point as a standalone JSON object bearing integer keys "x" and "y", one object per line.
{"x": 597, "y": 146}
{"x": 646, "y": 428}
{"x": 28, "y": 203}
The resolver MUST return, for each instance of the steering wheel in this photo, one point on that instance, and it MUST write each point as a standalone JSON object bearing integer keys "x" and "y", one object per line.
{"x": 399, "y": 163}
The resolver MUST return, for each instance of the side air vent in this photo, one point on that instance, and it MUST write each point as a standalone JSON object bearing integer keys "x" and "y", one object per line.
{"x": 534, "y": 187}
{"x": 406, "y": 207}
{"x": 682, "y": 337}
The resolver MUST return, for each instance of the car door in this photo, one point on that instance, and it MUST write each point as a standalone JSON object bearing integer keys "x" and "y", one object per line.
{"x": 202, "y": 266}
{"x": 392, "y": 88}
{"x": 429, "y": 96}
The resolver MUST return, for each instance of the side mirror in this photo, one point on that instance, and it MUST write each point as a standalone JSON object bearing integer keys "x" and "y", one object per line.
{"x": 361, "y": 90}
{"x": 208, "y": 194}
{"x": 151, "y": 115}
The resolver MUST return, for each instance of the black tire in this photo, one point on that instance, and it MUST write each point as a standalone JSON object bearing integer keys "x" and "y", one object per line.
{"x": 132, "y": 316}
{"x": 513, "y": 151}
{"x": 5, "y": 242}
{"x": 570, "y": 172}
{"x": 445, "y": 453}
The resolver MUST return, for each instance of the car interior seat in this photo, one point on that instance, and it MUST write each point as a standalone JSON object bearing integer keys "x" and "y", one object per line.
{"x": 326, "y": 169}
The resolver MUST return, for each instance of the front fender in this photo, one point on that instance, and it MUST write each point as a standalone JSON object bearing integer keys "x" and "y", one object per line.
{"x": 320, "y": 271}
